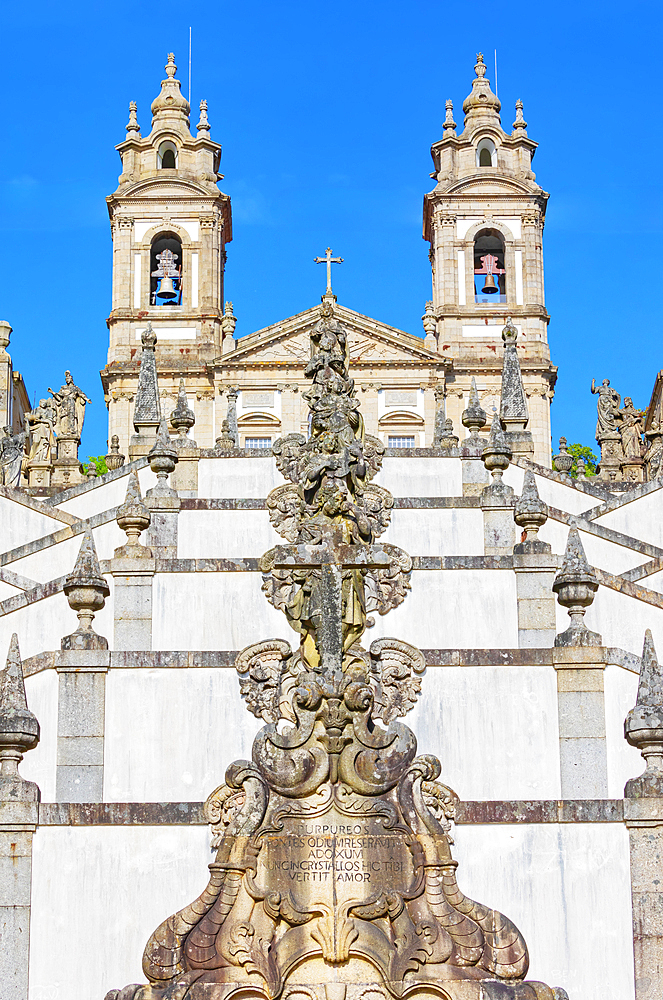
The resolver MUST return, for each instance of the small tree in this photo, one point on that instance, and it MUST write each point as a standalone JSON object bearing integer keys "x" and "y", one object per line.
{"x": 582, "y": 451}
{"x": 100, "y": 462}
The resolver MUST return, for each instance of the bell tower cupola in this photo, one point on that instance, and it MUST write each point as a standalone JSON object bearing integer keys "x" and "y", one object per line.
{"x": 484, "y": 222}
{"x": 170, "y": 225}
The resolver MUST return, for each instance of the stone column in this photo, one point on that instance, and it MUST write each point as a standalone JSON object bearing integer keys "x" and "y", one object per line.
{"x": 580, "y": 659}
{"x": 497, "y": 499}
{"x": 81, "y": 666}
{"x": 133, "y": 570}
{"x": 79, "y": 775}
{"x": 162, "y": 500}
{"x": 6, "y": 385}
{"x": 474, "y": 473}
{"x": 535, "y": 571}
{"x": 643, "y": 815}
{"x": 19, "y": 731}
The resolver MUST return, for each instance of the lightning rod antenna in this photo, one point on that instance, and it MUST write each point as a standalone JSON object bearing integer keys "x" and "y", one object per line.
{"x": 189, "y": 67}
{"x": 496, "y": 94}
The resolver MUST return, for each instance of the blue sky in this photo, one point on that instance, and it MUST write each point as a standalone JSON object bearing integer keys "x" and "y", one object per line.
{"x": 326, "y": 113}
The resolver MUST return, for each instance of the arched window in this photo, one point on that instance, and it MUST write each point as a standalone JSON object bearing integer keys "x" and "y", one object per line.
{"x": 486, "y": 153}
{"x": 489, "y": 271}
{"x": 166, "y": 270}
{"x": 167, "y": 156}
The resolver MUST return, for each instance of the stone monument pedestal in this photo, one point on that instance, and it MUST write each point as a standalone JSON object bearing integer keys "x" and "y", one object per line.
{"x": 39, "y": 473}
{"x": 611, "y": 456}
{"x": 66, "y": 467}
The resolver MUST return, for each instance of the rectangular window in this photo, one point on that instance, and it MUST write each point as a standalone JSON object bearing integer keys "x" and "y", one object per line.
{"x": 401, "y": 441}
{"x": 257, "y": 442}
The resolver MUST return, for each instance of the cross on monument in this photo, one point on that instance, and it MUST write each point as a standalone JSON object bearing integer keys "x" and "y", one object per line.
{"x": 328, "y": 260}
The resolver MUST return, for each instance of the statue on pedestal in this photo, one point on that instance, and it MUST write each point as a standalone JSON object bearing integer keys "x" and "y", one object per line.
{"x": 70, "y": 402}
{"x": 12, "y": 453}
{"x": 607, "y": 431}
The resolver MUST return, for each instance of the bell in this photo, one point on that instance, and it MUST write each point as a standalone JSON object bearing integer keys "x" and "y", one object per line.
{"x": 489, "y": 288}
{"x": 166, "y": 290}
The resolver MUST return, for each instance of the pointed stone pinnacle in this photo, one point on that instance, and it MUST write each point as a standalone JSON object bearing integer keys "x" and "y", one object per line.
{"x": 133, "y": 517}
{"x": 650, "y": 688}
{"x": 474, "y": 416}
{"x": 86, "y": 569}
{"x": 12, "y": 686}
{"x": 575, "y": 568}
{"x": 163, "y": 444}
{"x": 643, "y": 726}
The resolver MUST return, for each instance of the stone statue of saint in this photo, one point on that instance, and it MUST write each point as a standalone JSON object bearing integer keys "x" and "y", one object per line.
{"x": 40, "y": 423}
{"x": 631, "y": 426}
{"x": 12, "y": 453}
{"x": 70, "y": 408}
{"x": 608, "y": 404}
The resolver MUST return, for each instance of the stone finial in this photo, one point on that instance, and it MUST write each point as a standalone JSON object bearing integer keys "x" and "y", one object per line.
{"x": 225, "y": 441}
{"x": 170, "y": 105}
{"x": 19, "y": 729}
{"x": 563, "y": 462}
{"x": 643, "y": 727}
{"x": 474, "y": 417}
{"x": 163, "y": 459}
{"x": 132, "y": 124}
{"x": 133, "y": 517}
{"x": 575, "y": 586}
{"x": 147, "y": 407}
{"x": 229, "y": 321}
{"x": 91, "y": 472}
{"x": 497, "y": 456}
{"x": 233, "y": 393}
{"x": 530, "y": 513}
{"x": 182, "y": 419}
{"x": 449, "y": 123}
{"x": 581, "y": 469}
{"x": 520, "y": 125}
{"x": 428, "y": 318}
{"x": 481, "y": 103}
{"x": 513, "y": 402}
{"x": 86, "y": 590}
{"x": 203, "y": 124}
{"x": 113, "y": 459}
{"x": 5, "y": 334}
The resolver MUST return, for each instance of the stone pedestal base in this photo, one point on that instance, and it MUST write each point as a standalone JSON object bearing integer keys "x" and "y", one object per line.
{"x": 611, "y": 457}
{"x": 184, "y": 477}
{"x": 633, "y": 470}
{"x": 66, "y": 467}
{"x": 39, "y": 473}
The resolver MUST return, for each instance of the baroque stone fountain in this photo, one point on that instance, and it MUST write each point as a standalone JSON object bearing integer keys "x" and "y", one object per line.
{"x": 333, "y": 876}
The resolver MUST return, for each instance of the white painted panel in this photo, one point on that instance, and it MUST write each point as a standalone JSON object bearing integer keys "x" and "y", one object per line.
{"x": 172, "y": 333}
{"x": 461, "y": 277}
{"x": 194, "y": 280}
{"x": 514, "y": 224}
{"x": 140, "y": 228}
{"x": 47, "y": 564}
{"x": 609, "y": 556}
{"x": 421, "y": 477}
{"x": 463, "y": 224}
{"x": 493, "y": 745}
{"x": 488, "y": 330}
{"x": 97, "y": 895}
{"x": 137, "y": 280}
{"x": 435, "y": 532}
{"x": 455, "y": 609}
{"x": 624, "y": 761}
{"x": 192, "y": 227}
{"x": 213, "y": 611}
{"x": 548, "y": 879}
{"x": 518, "y": 266}
{"x": 179, "y": 751}
{"x": 642, "y": 518}
{"x": 107, "y": 495}
{"x": 237, "y": 477}
{"x": 207, "y": 534}
{"x": 39, "y": 626}
{"x": 22, "y": 524}
{"x": 38, "y": 765}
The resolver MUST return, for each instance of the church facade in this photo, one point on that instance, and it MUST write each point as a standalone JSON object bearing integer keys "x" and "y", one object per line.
{"x": 484, "y": 221}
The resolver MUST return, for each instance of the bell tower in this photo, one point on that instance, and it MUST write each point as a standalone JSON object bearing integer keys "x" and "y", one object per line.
{"x": 170, "y": 225}
{"x": 484, "y": 221}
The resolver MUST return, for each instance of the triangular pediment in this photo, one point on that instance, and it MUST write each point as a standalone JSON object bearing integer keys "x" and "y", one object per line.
{"x": 369, "y": 342}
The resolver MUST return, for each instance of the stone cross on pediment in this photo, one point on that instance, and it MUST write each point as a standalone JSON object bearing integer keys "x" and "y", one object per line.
{"x": 328, "y": 260}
